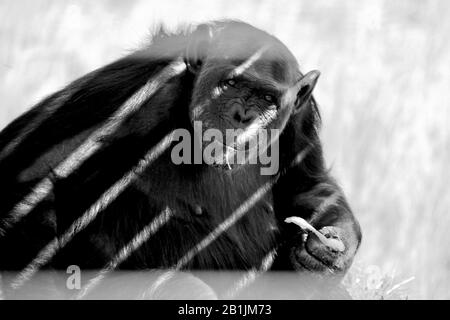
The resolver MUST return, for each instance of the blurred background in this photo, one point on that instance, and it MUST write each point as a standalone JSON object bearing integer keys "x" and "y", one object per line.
{"x": 384, "y": 95}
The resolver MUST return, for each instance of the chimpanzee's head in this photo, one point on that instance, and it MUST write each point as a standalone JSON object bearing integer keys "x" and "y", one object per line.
{"x": 246, "y": 80}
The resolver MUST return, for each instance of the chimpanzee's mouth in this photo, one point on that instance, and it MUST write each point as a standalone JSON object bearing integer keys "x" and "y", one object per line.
{"x": 231, "y": 158}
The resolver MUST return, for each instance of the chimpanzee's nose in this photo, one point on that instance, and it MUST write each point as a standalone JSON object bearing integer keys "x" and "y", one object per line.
{"x": 240, "y": 115}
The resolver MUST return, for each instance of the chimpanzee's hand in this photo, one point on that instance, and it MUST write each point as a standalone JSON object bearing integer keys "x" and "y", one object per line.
{"x": 311, "y": 254}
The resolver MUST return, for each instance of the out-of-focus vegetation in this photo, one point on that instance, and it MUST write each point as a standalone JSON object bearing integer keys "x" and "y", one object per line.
{"x": 384, "y": 95}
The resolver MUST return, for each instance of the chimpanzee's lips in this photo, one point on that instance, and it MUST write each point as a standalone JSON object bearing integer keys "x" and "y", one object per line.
{"x": 234, "y": 147}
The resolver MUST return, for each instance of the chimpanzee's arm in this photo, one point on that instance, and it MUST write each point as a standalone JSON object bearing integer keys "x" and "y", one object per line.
{"x": 306, "y": 190}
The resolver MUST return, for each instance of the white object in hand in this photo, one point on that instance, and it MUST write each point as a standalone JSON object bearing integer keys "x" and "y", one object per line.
{"x": 333, "y": 244}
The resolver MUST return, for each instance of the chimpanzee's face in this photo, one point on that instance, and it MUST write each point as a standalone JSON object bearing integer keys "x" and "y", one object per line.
{"x": 247, "y": 86}
{"x": 245, "y": 91}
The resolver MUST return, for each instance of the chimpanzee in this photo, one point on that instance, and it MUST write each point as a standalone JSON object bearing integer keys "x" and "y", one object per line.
{"x": 102, "y": 175}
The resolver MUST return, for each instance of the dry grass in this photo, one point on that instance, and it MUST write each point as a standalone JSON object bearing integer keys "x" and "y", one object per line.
{"x": 371, "y": 283}
{"x": 384, "y": 95}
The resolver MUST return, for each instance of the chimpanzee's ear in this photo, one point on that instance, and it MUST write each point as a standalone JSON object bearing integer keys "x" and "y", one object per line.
{"x": 197, "y": 47}
{"x": 305, "y": 86}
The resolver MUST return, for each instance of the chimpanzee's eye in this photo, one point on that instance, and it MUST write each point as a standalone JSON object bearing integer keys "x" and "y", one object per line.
{"x": 269, "y": 98}
{"x": 230, "y": 82}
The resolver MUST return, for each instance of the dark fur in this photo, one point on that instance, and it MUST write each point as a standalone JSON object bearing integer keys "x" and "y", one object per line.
{"x": 92, "y": 99}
